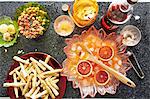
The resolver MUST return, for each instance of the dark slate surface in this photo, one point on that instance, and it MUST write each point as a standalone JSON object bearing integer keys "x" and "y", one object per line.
{"x": 53, "y": 44}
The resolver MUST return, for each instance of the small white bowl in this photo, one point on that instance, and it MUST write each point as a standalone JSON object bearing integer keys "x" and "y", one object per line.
{"x": 59, "y": 20}
{"x": 131, "y": 34}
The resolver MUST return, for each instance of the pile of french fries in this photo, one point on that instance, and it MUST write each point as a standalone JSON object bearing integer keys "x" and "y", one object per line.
{"x": 35, "y": 79}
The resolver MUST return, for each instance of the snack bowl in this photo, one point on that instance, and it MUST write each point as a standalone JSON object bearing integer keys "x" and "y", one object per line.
{"x": 40, "y": 56}
{"x": 131, "y": 35}
{"x": 33, "y": 20}
{"x": 64, "y": 25}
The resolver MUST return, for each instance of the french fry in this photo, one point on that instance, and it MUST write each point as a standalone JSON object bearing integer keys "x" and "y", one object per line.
{"x": 53, "y": 78}
{"x": 38, "y": 64}
{"x": 53, "y": 89}
{"x": 38, "y": 83}
{"x": 41, "y": 94}
{"x": 15, "y": 88}
{"x": 27, "y": 85}
{"x": 16, "y": 69}
{"x": 52, "y": 72}
{"x": 29, "y": 66}
{"x": 30, "y": 70}
{"x": 28, "y": 60}
{"x": 34, "y": 78}
{"x": 30, "y": 92}
{"x": 23, "y": 70}
{"x": 16, "y": 58}
{"x": 41, "y": 85}
{"x": 46, "y": 86}
{"x": 56, "y": 75}
{"x": 35, "y": 92}
{"x": 26, "y": 65}
{"x": 53, "y": 84}
{"x": 30, "y": 84}
{"x": 20, "y": 76}
{"x": 46, "y": 65}
{"x": 46, "y": 96}
{"x": 13, "y": 84}
{"x": 47, "y": 59}
{"x": 55, "y": 81}
{"x": 37, "y": 68}
{"x": 21, "y": 87}
{"x": 45, "y": 76}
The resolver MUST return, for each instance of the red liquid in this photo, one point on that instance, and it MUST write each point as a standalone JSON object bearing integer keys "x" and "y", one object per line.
{"x": 107, "y": 25}
{"x": 115, "y": 14}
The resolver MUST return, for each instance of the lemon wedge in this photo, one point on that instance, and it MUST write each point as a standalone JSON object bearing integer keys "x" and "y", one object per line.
{"x": 3, "y": 28}
{"x": 11, "y": 29}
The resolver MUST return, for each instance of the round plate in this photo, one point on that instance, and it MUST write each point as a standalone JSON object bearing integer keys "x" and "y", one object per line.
{"x": 39, "y": 56}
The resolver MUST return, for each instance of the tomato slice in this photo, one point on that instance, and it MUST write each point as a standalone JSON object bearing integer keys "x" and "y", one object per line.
{"x": 102, "y": 77}
{"x": 105, "y": 53}
{"x": 84, "y": 68}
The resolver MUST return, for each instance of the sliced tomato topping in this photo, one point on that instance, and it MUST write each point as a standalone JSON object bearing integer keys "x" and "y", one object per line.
{"x": 105, "y": 52}
{"x": 84, "y": 68}
{"x": 102, "y": 77}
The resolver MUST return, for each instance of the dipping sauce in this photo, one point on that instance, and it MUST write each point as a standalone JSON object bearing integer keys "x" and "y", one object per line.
{"x": 64, "y": 25}
{"x": 131, "y": 35}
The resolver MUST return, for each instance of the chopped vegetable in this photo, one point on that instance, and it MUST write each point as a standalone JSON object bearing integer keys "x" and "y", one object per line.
{"x": 32, "y": 19}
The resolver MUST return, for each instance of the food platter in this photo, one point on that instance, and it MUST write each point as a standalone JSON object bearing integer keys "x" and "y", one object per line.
{"x": 89, "y": 75}
{"x": 56, "y": 42}
{"x": 39, "y": 56}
